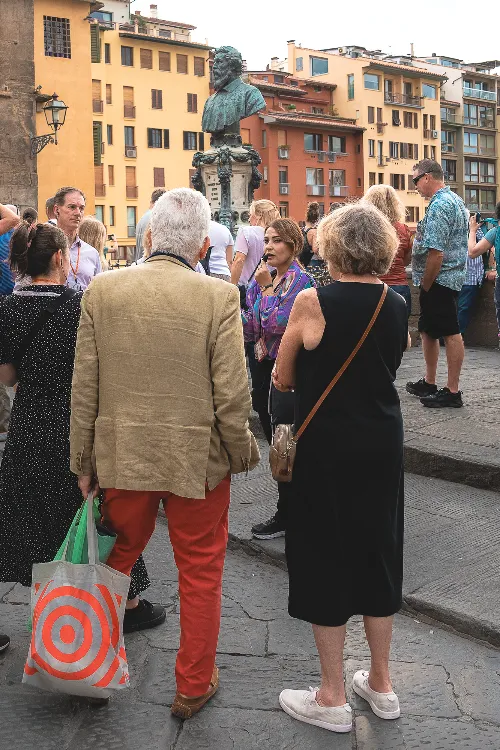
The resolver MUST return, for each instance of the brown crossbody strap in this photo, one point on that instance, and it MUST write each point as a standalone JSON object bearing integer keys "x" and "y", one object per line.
{"x": 344, "y": 366}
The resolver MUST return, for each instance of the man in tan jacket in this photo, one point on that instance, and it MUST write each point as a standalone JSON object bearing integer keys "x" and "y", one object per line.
{"x": 160, "y": 396}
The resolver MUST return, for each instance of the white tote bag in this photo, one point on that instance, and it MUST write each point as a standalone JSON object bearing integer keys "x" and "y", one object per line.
{"x": 77, "y": 636}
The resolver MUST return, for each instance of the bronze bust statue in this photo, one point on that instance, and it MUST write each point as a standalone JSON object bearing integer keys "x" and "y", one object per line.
{"x": 233, "y": 99}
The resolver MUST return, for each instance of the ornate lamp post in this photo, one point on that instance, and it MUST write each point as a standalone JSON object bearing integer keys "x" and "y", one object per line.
{"x": 55, "y": 114}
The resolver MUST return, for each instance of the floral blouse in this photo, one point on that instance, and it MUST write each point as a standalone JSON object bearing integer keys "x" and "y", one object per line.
{"x": 267, "y": 316}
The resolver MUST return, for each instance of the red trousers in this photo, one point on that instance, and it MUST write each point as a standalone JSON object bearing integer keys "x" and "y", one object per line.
{"x": 198, "y": 532}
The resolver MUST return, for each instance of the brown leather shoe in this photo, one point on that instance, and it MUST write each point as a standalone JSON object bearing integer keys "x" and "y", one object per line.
{"x": 184, "y": 707}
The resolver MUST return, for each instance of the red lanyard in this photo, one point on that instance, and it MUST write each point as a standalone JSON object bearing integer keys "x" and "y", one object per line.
{"x": 75, "y": 270}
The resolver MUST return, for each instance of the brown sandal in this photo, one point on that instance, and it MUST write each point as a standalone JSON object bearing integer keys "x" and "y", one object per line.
{"x": 184, "y": 707}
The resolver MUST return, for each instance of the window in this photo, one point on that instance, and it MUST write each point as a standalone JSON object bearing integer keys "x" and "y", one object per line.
{"x": 109, "y": 134}
{"x": 486, "y": 144}
{"x": 488, "y": 199}
{"x": 450, "y": 170}
{"x": 486, "y": 171}
{"x": 111, "y": 216}
{"x": 412, "y": 214}
{"x": 313, "y": 142}
{"x": 156, "y": 99}
{"x": 448, "y": 141}
{"x": 472, "y": 198}
{"x": 279, "y": 79}
{"x": 433, "y": 153}
{"x": 395, "y": 117}
{"x": 164, "y": 60}
{"x": 432, "y": 122}
{"x": 299, "y": 63}
{"x": 371, "y": 179}
{"x": 394, "y": 149}
{"x": 359, "y": 181}
{"x": 109, "y": 95}
{"x": 372, "y": 81}
{"x": 107, "y": 53}
{"x": 265, "y": 170}
{"x": 245, "y": 136}
{"x": 146, "y": 56}
{"x": 166, "y": 138}
{"x": 336, "y": 144}
{"x": 470, "y": 142}
{"x": 97, "y": 134}
{"x": 128, "y": 56}
{"x": 318, "y": 110}
{"x": 398, "y": 181}
{"x": 111, "y": 175}
{"x": 128, "y": 101}
{"x": 199, "y": 66}
{"x": 131, "y": 220}
{"x": 471, "y": 171}
{"x": 315, "y": 181}
{"x": 336, "y": 182}
{"x": 155, "y": 138}
{"x": 380, "y": 178}
{"x": 96, "y": 96}
{"x": 371, "y": 114}
{"x": 371, "y": 147}
{"x": 201, "y": 141}
{"x": 129, "y": 133}
{"x": 99, "y": 213}
{"x": 486, "y": 117}
{"x": 159, "y": 176}
{"x": 283, "y": 209}
{"x": 428, "y": 91}
{"x": 379, "y": 114}
{"x": 56, "y": 37}
{"x": 190, "y": 141}
{"x": 182, "y": 64}
{"x": 165, "y": 34}
{"x": 99, "y": 186}
{"x": 319, "y": 66}
{"x": 192, "y": 102}
{"x": 264, "y": 138}
{"x": 131, "y": 182}
{"x": 283, "y": 176}
{"x": 425, "y": 122}
{"x": 350, "y": 86}
{"x": 410, "y": 119}
{"x": 95, "y": 44}
{"x": 405, "y": 150}
{"x": 426, "y": 152}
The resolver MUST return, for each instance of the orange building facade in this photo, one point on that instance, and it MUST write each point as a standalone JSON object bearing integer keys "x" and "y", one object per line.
{"x": 308, "y": 153}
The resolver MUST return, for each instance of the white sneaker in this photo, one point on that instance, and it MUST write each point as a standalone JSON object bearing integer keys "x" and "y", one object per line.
{"x": 383, "y": 705}
{"x": 302, "y": 705}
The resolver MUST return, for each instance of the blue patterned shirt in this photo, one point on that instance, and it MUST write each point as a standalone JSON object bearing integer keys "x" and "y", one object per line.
{"x": 474, "y": 270}
{"x": 445, "y": 227}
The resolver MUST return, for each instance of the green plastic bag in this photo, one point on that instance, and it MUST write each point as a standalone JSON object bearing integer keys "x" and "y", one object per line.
{"x": 74, "y": 547}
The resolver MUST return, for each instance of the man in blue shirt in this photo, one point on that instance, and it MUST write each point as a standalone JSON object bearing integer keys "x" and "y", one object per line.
{"x": 438, "y": 263}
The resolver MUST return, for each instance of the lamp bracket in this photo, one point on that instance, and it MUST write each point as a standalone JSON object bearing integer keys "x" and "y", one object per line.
{"x": 39, "y": 142}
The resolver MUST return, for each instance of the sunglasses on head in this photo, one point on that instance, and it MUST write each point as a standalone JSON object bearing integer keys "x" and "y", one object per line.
{"x": 419, "y": 177}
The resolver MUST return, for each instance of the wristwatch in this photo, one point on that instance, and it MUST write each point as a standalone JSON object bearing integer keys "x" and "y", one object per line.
{"x": 263, "y": 288}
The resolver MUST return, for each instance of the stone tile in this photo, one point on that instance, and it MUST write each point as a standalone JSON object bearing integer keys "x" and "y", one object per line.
{"x": 477, "y": 692}
{"x": 5, "y": 588}
{"x": 18, "y": 595}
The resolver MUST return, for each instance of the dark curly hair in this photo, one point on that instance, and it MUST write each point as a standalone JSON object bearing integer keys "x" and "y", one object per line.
{"x": 290, "y": 232}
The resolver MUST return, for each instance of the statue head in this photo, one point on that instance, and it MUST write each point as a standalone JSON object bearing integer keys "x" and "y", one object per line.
{"x": 228, "y": 65}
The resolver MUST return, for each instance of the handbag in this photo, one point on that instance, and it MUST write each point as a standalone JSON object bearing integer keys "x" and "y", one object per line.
{"x": 283, "y": 448}
{"x": 77, "y": 643}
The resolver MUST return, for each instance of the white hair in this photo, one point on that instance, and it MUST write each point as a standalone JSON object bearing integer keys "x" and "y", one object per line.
{"x": 12, "y": 208}
{"x": 180, "y": 221}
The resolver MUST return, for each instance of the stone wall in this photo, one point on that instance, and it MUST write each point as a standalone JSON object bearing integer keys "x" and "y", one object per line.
{"x": 18, "y": 178}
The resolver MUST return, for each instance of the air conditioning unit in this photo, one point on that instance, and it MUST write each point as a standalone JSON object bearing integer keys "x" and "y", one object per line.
{"x": 130, "y": 153}
{"x": 434, "y": 133}
{"x": 342, "y": 50}
{"x": 284, "y": 189}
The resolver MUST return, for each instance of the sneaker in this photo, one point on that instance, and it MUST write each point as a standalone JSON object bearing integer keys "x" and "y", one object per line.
{"x": 4, "y": 642}
{"x": 184, "y": 707}
{"x": 302, "y": 705}
{"x": 443, "y": 397}
{"x": 421, "y": 388}
{"x": 271, "y": 529}
{"x": 383, "y": 705}
{"x": 143, "y": 617}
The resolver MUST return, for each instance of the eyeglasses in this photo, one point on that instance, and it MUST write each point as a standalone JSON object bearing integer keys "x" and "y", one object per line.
{"x": 419, "y": 177}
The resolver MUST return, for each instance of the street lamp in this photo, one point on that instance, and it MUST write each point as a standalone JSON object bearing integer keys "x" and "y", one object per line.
{"x": 55, "y": 114}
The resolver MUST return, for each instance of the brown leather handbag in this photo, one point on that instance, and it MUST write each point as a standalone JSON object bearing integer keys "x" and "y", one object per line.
{"x": 284, "y": 444}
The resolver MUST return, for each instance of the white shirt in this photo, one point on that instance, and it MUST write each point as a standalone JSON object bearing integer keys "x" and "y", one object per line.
{"x": 220, "y": 239}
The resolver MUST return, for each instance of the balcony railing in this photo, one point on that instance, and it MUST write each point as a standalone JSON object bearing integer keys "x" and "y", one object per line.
{"x": 324, "y": 155}
{"x": 487, "y": 151}
{"x": 284, "y": 188}
{"x": 381, "y": 161}
{"x": 315, "y": 189}
{"x": 100, "y": 191}
{"x": 129, "y": 111}
{"x": 283, "y": 152}
{"x": 131, "y": 152}
{"x": 98, "y": 106}
{"x": 407, "y": 100}
{"x": 448, "y": 148}
{"x": 483, "y": 179}
{"x": 430, "y": 133}
{"x": 451, "y": 118}
{"x": 483, "y": 123}
{"x": 473, "y": 93}
{"x": 381, "y": 127}
{"x": 340, "y": 191}
{"x": 132, "y": 192}
{"x": 131, "y": 230}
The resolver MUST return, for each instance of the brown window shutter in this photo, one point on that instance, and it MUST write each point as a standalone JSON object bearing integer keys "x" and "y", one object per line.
{"x": 159, "y": 176}
{"x": 128, "y": 95}
{"x": 199, "y": 66}
{"x": 111, "y": 174}
{"x": 182, "y": 64}
{"x": 95, "y": 43}
{"x": 164, "y": 60}
{"x": 97, "y": 135}
{"x": 146, "y": 58}
{"x": 99, "y": 174}
{"x": 130, "y": 176}
{"x": 166, "y": 139}
{"x": 109, "y": 96}
{"x": 195, "y": 102}
{"x": 96, "y": 89}
{"x": 159, "y": 99}
{"x": 201, "y": 141}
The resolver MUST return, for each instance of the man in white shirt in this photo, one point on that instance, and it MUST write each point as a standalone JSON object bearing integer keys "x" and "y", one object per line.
{"x": 221, "y": 255}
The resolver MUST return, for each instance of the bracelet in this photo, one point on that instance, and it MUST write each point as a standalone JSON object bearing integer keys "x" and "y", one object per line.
{"x": 263, "y": 288}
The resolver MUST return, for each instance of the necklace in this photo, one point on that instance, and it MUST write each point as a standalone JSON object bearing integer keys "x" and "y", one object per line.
{"x": 74, "y": 270}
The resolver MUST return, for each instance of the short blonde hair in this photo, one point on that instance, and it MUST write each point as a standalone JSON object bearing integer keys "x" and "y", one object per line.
{"x": 385, "y": 198}
{"x": 265, "y": 211}
{"x": 358, "y": 239}
{"x": 93, "y": 232}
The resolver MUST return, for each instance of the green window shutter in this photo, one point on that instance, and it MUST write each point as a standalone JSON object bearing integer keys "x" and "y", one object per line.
{"x": 97, "y": 133}
{"x": 95, "y": 43}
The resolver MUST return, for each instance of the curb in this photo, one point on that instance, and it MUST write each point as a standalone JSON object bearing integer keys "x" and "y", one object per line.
{"x": 437, "y": 465}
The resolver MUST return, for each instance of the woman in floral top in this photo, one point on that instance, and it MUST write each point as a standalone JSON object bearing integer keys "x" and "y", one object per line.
{"x": 270, "y": 298}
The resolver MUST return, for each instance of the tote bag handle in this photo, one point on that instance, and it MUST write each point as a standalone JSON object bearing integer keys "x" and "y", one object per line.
{"x": 91, "y": 532}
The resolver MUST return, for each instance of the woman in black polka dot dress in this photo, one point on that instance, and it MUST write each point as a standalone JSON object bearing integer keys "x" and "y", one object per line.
{"x": 39, "y": 495}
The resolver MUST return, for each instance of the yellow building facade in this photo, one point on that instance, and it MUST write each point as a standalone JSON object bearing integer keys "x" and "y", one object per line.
{"x": 398, "y": 105}
{"x": 62, "y": 66}
{"x": 148, "y": 93}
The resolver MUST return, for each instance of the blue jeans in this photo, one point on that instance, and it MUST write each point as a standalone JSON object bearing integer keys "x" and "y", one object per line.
{"x": 404, "y": 291}
{"x": 466, "y": 301}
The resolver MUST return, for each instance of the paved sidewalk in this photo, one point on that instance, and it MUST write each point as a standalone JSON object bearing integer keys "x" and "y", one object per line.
{"x": 448, "y": 686}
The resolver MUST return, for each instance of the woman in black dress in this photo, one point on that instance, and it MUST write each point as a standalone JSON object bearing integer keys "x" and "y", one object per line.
{"x": 344, "y": 541}
{"x": 39, "y": 495}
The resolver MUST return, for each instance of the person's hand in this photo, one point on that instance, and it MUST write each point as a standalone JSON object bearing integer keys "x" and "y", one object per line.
{"x": 277, "y": 384}
{"x": 491, "y": 275}
{"x": 473, "y": 225}
{"x": 262, "y": 275}
{"x": 88, "y": 483}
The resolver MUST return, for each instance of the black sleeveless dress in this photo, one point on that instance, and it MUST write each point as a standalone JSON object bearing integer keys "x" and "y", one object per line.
{"x": 344, "y": 540}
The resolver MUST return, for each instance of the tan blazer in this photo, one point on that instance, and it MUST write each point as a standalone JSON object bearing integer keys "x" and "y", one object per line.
{"x": 160, "y": 388}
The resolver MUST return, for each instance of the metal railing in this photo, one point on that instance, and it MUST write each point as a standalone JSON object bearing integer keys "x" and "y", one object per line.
{"x": 341, "y": 191}
{"x": 284, "y": 188}
{"x": 324, "y": 155}
{"x": 132, "y": 192}
{"x": 430, "y": 133}
{"x": 100, "y": 191}
{"x": 98, "y": 106}
{"x": 448, "y": 148}
{"x": 408, "y": 100}
{"x": 473, "y": 93}
{"x": 381, "y": 127}
{"x": 129, "y": 111}
{"x": 482, "y": 123}
{"x": 315, "y": 189}
{"x": 450, "y": 118}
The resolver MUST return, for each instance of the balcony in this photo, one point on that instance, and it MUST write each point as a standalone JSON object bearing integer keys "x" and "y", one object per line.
{"x": 331, "y": 156}
{"x": 315, "y": 190}
{"x": 380, "y": 161}
{"x": 131, "y": 230}
{"x": 473, "y": 93}
{"x": 381, "y": 127}
{"x": 98, "y": 106}
{"x": 131, "y": 152}
{"x": 483, "y": 123}
{"x": 284, "y": 188}
{"x": 450, "y": 118}
{"x": 406, "y": 100}
{"x": 486, "y": 151}
{"x": 448, "y": 148}
{"x": 100, "y": 191}
{"x": 132, "y": 192}
{"x": 284, "y": 152}
{"x": 430, "y": 133}
{"x": 339, "y": 191}
{"x": 129, "y": 111}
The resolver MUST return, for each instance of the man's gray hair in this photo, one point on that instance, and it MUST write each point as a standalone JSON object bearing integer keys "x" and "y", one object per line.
{"x": 429, "y": 166}
{"x": 234, "y": 56}
{"x": 180, "y": 221}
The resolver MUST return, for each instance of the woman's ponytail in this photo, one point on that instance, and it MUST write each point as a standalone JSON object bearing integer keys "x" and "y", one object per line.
{"x": 32, "y": 247}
